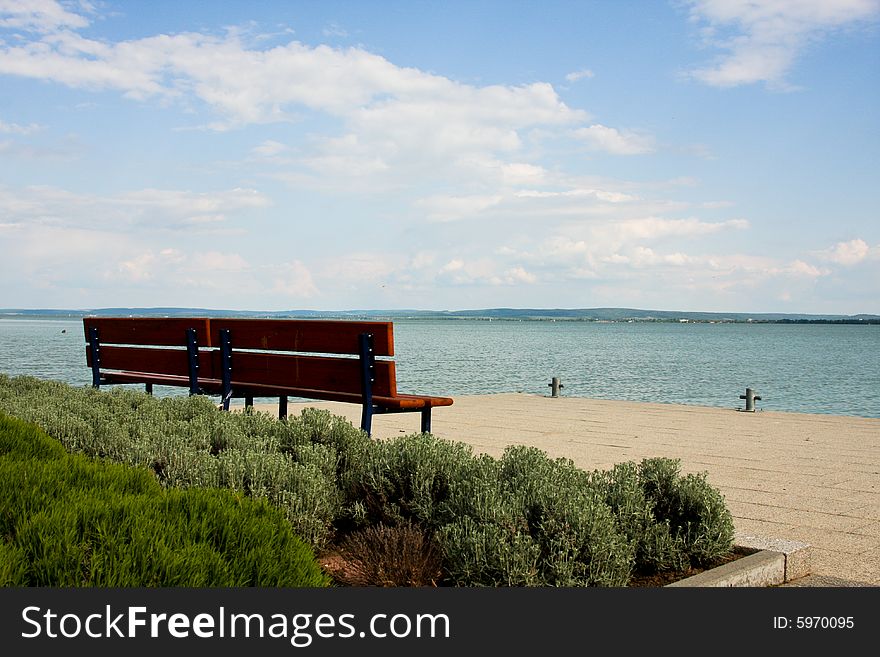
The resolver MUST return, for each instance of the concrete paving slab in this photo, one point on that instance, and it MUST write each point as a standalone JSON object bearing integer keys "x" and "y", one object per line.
{"x": 798, "y": 556}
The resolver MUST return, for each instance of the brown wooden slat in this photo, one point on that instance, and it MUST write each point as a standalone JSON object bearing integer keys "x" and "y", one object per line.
{"x": 156, "y": 361}
{"x": 206, "y": 385}
{"x": 312, "y": 372}
{"x": 415, "y": 401}
{"x": 263, "y": 390}
{"x": 406, "y": 402}
{"x": 162, "y": 331}
{"x": 307, "y": 335}
{"x": 260, "y": 390}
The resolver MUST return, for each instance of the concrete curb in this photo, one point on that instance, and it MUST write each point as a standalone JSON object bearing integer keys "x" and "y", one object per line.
{"x": 777, "y": 562}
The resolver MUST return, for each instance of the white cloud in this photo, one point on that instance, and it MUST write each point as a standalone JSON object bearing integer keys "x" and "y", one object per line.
{"x": 149, "y": 208}
{"x": 451, "y": 208}
{"x": 17, "y": 129}
{"x": 522, "y": 173}
{"x": 269, "y": 148}
{"x": 149, "y": 265}
{"x": 174, "y": 203}
{"x": 293, "y": 279}
{"x": 249, "y": 85}
{"x": 563, "y": 247}
{"x": 345, "y": 158}
{"x": 761, "y": 41}
{"x": 215, "y": 261}
{"x": 334, "y": 30}
{"x": 485, "y": 271}
{"x": 654, "y": 228}
{"x": 598, "y": 194}
{"x": 643, "y": 256}
{"x": 137, "y": 269}
{"x": 393, "y": 124}
{"x": 614, "y": 141}
{"x": 517, "y": 275}
{"x": 211, "y": 270}
{"x": 850, "y": 253}
{"x": 39, "y": 15}
{"x": 655, "y": 255}
{"x": 799, "y": 268}
{"x": 446, "y": 124}
{"x": 354, "y": 269}
{"x": 422, "y": 260}
{"x": 456, "y": 264}
{"x": 574, "y": 76}
{"x": 635, "y": 244}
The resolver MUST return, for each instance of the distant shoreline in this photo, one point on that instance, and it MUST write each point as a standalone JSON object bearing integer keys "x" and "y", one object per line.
{"x": 600, "y": 315}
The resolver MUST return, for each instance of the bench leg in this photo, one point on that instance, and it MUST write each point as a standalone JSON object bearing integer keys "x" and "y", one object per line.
{"x": 282, "y": 407}
{"x": 367, "y": 419}
{"x": 426, "y": 420}
{"x": 248, "y": 402}
{"x": 149, "y": 388}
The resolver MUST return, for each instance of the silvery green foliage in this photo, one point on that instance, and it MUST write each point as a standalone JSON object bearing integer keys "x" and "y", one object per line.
{"x": 578, "y": 534}
{"x": 188, "y": 443}
{"x": 346, "y": 446}
{"x": 478, "y": 554}
{"x": 478, "y": 494}
{"x": 672, "y": 521}
{"x": 407, "y": 478}
{"x": 703, "y": 521}
{"x": 655, "y": 548}
{"x": 484, "y": 537}
{"x": 694, "y": 510}
{"x": 524, "y": 519}
{"x": 310, "y": 500}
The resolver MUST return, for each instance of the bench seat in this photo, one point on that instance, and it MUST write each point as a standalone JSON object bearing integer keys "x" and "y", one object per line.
{"x": 256, "y": 358}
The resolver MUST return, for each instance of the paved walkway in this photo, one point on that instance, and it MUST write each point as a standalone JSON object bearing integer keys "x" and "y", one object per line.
{"x": 795, "y": 476}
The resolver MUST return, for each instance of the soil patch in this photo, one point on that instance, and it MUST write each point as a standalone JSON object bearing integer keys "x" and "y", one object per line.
{"x": 336, "y": 566}
{"x": 662, "y": 579}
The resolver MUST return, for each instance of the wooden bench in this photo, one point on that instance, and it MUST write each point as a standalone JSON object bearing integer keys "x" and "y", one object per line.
{"x": 256, "y": 358}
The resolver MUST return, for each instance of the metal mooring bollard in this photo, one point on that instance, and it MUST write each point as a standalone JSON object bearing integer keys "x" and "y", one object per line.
{"x": 555, "y": 385}
{"x": 750, "y": 398}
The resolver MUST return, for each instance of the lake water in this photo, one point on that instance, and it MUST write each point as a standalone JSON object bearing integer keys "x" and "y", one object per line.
{"x": 811, "y": 368}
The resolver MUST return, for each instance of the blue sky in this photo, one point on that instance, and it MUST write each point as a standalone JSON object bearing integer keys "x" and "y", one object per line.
{"x": 713, "y": 155}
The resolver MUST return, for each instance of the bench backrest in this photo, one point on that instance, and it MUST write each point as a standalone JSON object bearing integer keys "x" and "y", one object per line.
{"x": 159, "y": 345}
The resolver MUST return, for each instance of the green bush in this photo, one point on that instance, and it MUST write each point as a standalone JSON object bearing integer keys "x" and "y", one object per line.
{"x": 526, "y": 520}
{"x": 478, "y": 554}
{"x": 310, "y": 500}
{"x": 348, "y": 449}
{"x": 522, "y": 520}
{"x": 673, "y": 522}
{"x": 694, "y": 510}
{"x": 187, "y": 442}
{"x": 407, "y": 478}
{"x": 69, "y": 521}
{"x": 655, "y": 549}
{"x": 578, "y": 534}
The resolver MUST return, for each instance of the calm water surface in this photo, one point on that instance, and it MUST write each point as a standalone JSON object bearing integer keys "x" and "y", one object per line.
{"x": 794, "y": 367}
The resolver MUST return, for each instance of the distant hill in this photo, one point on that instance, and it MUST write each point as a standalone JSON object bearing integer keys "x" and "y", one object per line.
{"x": 625, "y": 314}
{"x": 563, "y": 314}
